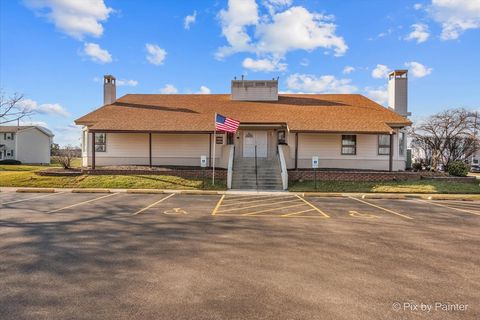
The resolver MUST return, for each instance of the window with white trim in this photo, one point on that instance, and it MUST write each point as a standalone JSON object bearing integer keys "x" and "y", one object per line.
{"x": 401, "y": 144}
{"x": 349, "y": 144}
{"x": 384, "y": 144}
{"x": 100, "y": 142}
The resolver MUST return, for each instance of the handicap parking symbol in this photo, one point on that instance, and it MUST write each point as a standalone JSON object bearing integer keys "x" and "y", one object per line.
{"x": 175, "y": 211}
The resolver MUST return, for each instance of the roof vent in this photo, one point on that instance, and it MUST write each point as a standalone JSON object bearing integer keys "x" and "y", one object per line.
{"x": 254, "y": 90}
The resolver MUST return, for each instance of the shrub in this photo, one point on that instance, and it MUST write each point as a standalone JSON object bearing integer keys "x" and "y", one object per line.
{"x": 65, "y": 156}
{"x": 458, "y": 168}
{"x": 417, "y": 166}
{"x": 10, "y": 161}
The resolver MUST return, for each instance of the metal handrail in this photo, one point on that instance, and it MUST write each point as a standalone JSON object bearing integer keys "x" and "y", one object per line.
{"x": 256, "y": 170}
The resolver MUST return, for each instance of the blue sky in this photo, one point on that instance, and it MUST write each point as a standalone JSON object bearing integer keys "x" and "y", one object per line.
{"x": 56, "y": 52}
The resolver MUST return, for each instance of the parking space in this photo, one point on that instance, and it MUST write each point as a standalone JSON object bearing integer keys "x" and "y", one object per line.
{"x": 289, "y": 206}
{"x": 163, "y": 256}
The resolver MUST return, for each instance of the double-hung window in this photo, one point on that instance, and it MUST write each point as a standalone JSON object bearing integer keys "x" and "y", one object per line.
{"x": 384, "y": 144}
{"x": 100, "y": 142}
{"x": 349, "y": 144}
{"x": 401, "y": 144}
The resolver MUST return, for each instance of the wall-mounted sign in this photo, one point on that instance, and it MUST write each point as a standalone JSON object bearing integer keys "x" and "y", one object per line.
{"x": 203, "y": 161}
{"x": 315, "y": 162}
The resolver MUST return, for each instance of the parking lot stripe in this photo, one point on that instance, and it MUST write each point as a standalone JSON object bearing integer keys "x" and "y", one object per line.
{"x": 385, "y": 209}
{"x": 271, "y": 209}
{"x": 83, "y": 202}
{"x": 33, "y": 198}
{"x": 214, "y": 212}
{"x": 258, "y": 205}
{"x": 261, "y": 200}
{"x": 298, "y": 212}
{"x": 458, "y": 209}
{"x": 314, "y": 207}
{"x": 153, "y": 204}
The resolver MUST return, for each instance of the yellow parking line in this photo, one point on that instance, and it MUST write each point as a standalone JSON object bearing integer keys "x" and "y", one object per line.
{"x": 151, "y": 205}
{"x": 258, "y": 205}
{"x": 314, "y": 207}
{"x": 248, "y": 202}
{"x": 458, "y": 209}
{"x": 83, "y": 202}
{"x": 298, "y": 212}
{"x": 33, "y": 198}
{"x": 214, "y": 212}
{"x": 382, "y": 208}
{"x": 271, "y": 209}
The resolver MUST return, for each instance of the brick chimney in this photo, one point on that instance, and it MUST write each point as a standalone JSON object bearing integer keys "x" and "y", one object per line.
{"x": 109, "y": 89}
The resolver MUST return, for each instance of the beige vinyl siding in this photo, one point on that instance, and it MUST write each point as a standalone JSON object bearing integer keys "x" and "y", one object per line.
{"x": 167, "y": 149}
{"x": 328, "y": 148}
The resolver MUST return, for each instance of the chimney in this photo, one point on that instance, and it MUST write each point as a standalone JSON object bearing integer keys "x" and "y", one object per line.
{"x": 109, "y": 89}
{"x": 398, "y": 92}
{"x": 254, "y": 90}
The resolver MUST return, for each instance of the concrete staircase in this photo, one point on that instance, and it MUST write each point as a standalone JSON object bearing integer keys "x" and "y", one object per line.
{"x": 269, "y": 174}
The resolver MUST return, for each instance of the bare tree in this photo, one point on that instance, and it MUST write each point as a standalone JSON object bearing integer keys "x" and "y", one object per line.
{"x": 65, "y": 156}
{"x": 12, "y": 109}
{"x": 447, "y": 136}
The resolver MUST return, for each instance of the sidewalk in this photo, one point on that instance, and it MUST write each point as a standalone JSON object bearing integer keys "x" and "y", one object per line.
{"x": 249, "y": 192}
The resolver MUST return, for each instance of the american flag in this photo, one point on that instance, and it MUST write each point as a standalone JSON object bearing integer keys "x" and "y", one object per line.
{"x": 226, "y": 124}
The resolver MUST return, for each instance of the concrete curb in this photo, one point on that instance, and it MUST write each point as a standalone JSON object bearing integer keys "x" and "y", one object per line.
{"x": 462, "y": 197}
{"x": 91, "y": 191}
{"x": 384, "y": 196}
{"x": 35, "y": 190}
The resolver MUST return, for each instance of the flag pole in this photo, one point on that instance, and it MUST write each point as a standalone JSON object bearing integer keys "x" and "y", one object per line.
{"x": 214, "y": 144}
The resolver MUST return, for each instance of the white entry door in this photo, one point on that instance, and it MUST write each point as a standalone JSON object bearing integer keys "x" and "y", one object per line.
{"x": 252, "y": 139}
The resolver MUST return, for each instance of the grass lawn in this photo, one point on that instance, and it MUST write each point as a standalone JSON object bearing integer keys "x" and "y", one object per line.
{"x": 30, "y": 179}
{"x": 421, "y": 186}
{"x": 76, "y": 163}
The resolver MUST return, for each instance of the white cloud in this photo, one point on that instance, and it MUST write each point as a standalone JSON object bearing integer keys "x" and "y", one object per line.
{"x": 379, "y": 94}
{"x": 156, "y": 55}
{"x": 417, "y": 6}
{"x": 204, "y": 90}
{"x": 96, "y": 53}
{"x": 126, "y": 82}
{"x": 455, "y": 16}
{"x": 46, "y": 108}
{"x": 348, "y": 70}
{"x": 34, "y": 123}
{"x": 304, "y": 62}
{"x": 264, "y": 65}
{"x": 75, "y": 18}
{"x": 418, "y": 70}
{"x": 189, "y": 20}
{"x": 278, "y": 32}
{"x": 68, "y": 135}
{"x": 380, "y": 71}
{"x": 313, "y": 84}
{"x": 420, "y": 33}
{"x": 169, "y": 89}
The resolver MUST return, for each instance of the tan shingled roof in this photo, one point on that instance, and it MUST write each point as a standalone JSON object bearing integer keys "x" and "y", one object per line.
{"x": 195, "y": 113}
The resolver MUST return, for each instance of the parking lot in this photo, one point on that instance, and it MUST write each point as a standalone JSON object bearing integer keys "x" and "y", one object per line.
{"x": 180, "y": 256}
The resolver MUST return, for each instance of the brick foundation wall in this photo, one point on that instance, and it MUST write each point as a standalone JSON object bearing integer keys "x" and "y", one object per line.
{"x": 295, "y": 175}
{"x": 184, "y": 173}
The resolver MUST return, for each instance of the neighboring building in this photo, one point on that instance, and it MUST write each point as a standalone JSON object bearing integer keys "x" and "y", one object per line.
{"x": 28, "y": 144}
{"x": 346, "y": 131}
